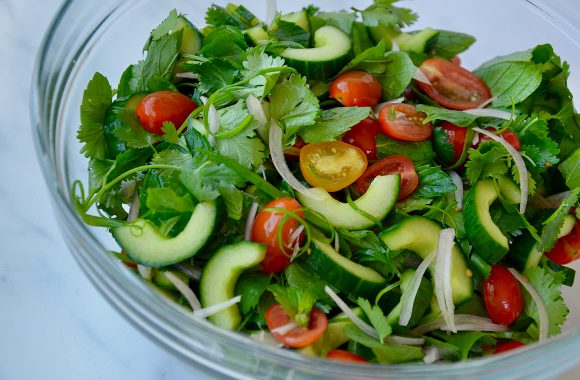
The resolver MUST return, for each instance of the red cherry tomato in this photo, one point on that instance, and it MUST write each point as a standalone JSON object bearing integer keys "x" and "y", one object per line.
{"x": 502, "y": 296}
{"x": 456, "y": 60}
{"x": 507, "y": 135}
{"x": 391, "y": 165}
{"x": 298, "y": 337}
{"x": 507, "y": 346}
{"x": 363, "y": 137}
{"x": 456, "y": 137}
{"x": 265, "y": 231}
{"x": 567, "y": 248}
{"x": 356, "y": 89}
{"x": 345, "y": 356}
{"x": 403, "y": 122}
{"x": 293, "y": 152}
{"x": 452, "y": 86}
{"x": 161, "y": 106}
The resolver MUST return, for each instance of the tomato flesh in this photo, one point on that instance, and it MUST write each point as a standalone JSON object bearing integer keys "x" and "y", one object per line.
{"x": 567, "y": 248}
{"x": 332, "y": 165}
{"x": 507, "y": 346}
{"x": 452, "y": 86}
{"x": 345, "y": 356}
{"x": 356, "y": 89}
{"x": 298, "y": 337}
{"x": 455, "y": 136}
{"x": 509, "y": 136}
{"x": 363, "y": 137}
{"x": 164, "y": 106}
{"x": 391, "y": 165}
{"x": 403, "y": 122}
{"x": 265, "y": 231}
{"x": 502, "y": 296}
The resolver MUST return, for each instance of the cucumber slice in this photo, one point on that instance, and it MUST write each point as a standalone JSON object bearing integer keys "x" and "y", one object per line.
{"x": 524, "y": 252}
{"x": 378, "y": 201}
{"x": 331, "y": 52}
{"x": 484, "y": 235}
{"x": 299, "y": 18}
{"x": 349, "y": 277}
{"x": 420, "y": 235}
{"x": 219, "y": 277}
{"x": 332, "y": 338}
{"x": 382, "y": 33}
{"x": 145, "y": 245}
{"x": 159, "y": 279}
{"x": 191, "y": 38}
{"x": 257, "y": 34}
{"x": 416, "y": 42}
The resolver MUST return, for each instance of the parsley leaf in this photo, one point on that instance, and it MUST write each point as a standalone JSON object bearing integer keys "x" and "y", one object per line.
{"x": 333, "y": 122}
{"x": 376, "y": 317}
{"x": 570, "y": 169}
{"x": 433, "y": 182}
{"x": 97, "y": 98}
{"x": 293, "y": 105}
{"x": 420, "y": 152}
{"x": 548, "y": 285}
{"x": 296, "y": 302}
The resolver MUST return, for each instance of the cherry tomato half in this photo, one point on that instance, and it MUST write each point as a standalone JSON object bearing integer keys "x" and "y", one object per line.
{"x": 509, "y": 136}
{"x": 502, "y": 296}
{"x": 363, "y": 137}
{"x": 567, "y": 248}
{"x": 507, "y": 346}
{"x": 345, "y": 356}
{"x": 391, "y": 165}
{"x": 403, "y": 122}
{"x": 161, "y": 106}
{"x": 452, "y": 86}
{"x": 332, "y": 165}
{"x": 276, "y": 317}
{"x": 456, "y": 137}
{"x": 456, "y": 60}
{"x": 265, "y": 231}
{"x": 356, "y": 89}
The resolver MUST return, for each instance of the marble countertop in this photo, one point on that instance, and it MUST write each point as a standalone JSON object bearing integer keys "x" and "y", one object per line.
{"x": 53, "y": 323}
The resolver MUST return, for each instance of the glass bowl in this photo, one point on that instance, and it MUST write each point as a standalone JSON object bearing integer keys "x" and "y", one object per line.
{"x": 105, "y": 36}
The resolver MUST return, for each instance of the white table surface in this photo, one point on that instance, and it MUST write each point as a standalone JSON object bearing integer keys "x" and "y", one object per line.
{"x": 53, "y": 323}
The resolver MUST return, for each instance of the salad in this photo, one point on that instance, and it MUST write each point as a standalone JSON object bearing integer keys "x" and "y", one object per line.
{"x": 332, "y": 183}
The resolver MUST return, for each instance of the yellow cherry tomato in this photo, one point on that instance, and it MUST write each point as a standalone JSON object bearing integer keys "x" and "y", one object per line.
{"x": 332, "y": 165}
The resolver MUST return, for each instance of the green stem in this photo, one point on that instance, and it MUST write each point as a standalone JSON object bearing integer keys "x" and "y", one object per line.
{"x": 226, "y": 135}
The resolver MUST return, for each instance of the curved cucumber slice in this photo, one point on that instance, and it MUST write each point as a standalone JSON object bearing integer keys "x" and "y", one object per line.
{"x": 331, "y": 52}
{"x": 145, "y": 245}
{"x": 378, "y": 201}
{"x": 299, "y": 18}
{"x": 420, "y": 235}
{"x": 220, "y": 275}
{"x": 416, "y": 42}
{"x": 346, "y": 275}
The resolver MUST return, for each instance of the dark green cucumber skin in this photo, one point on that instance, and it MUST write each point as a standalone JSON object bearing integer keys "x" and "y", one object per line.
{"x": 319, "y": 70}
{"x": 520, "y": 251}
{"x": 486, "y": 247}
{"x": 343, "y": 280}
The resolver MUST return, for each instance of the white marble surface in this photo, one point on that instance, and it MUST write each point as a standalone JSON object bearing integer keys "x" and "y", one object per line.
{"x": 53, "y": 323}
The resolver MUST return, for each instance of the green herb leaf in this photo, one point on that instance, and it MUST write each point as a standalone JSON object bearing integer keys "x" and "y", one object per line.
{"x": 459, "y": 118}
{"x": 257, "y": 61}
{"x": 132, "y": 132}
{"x": 376, "y": 317}
{"x": 511, "y": 81}
{"x": 233, "y": 199}
{"x": 225, "y": 42}
{"x": 299, "y": 276}
{"x": 295, "y": 301}
{"x": 97, "y": 98}
{"x": 161, "y": 58}
{"x": 487, "y": 161}
{"x": 293, "y": 105}
{"x": 553, "y": 224}
{"x": 433, "y": 182}
{"x": 334, "y": 122}
{"x": 467, "y": 340}
{"x": 448, "y": 44}
{"x": 166, "y": 200}
{"x": 419, "y": 152}
{"x": 289, "y": 31}
{"x": 214, "y": 74}
{"x": 251, "y": 286}
{"x": 384, "y": 13}
{"x": 570, "y": 169}
{"x": 166, "y": 27}
{"x": 237, "y": 16}
{"x": 343, "y": 20}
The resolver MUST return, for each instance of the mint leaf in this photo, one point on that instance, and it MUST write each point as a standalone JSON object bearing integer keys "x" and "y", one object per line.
{"x": 166, "y": 200}
{"x": 295, "y": 301}
{"x": 161, "y": 58}
{"x": 214, "y": 74}
{"x": 511, "y": 81}
{"x": 334, "y": 122}
{"x": 570, "y": 169}
{"x": 462, "y": 119}
{"x": 376, "y": 317}
{"x": 225, "y": 42}
{"x": 433, "y": 182}
{"x": 419, "y": 152}
{"x": 251, "y": 286}
{"x": 293, "y": 105}
{"x": 548, "y": 285}
{"x": 97, "y": 98}
{"x": 233, "y": 199}
{"x": 448, "y": 44}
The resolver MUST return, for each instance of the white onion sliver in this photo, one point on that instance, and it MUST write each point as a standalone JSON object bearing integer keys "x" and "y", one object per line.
{"x": 203, "y": 99}
{"x": 395, "y": 46}
{"x": 295, "y": 240}
{"x": 271, "y": 9}
{"x": 255, "y": 109}
{"x": 476, "y": 327}
{"x": 187, "y": 75}
{"x": 368, "y": 329}
{"x": 432, "y": 354}
{"x": 442, "y": 279}
{"x": 250, "y": 221}
{"x": 336, "y": 243}
{"x": 420, "y": 76}
{"x": 284, "y": 329}
{"x": 489, "y": 112}
{"x": 407, "y": 305}
{"x": 379, "y": 106}
{"x": 279, "y": 161}
{"x": 214, "y": 309}
{"x": 134, "y": 210}
{"x": 459, "y": 188}
{"x": 144, "y": 272}
{"x": 522, "y": 170}
{"x": 542, "y": 311}
{"x": 185, "y": 290}
{"x": 265, "y": 337}
{"x": 463, "y": 321}
{"x": 395, "y": 339}
{"x": 213, "y": 119}
{"x": 190, "y": 271}
{"x": 487, "y": 102}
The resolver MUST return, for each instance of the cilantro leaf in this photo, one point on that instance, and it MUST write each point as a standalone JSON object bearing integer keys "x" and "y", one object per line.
{"x": 548, "y": 285}
{"x": 433, "y": 182}
{"x": 166, "y": 27}
{"x": 161, "y": 58}
{"x": 376, "y": 317}
{"x": 251, "y": 286}
{"x": 487, "y": 161}
{"x": 293, "y": 105}
{"x": 420, "y": 152}
{"x": 333, "y": 122}
{"x": 570, "y": 169}
{"x": 97, "y": 98}
{"x": 98, "y": 170}
{"x": 553, "y": 224}
{"x": 384, "y": 13}
{"x": 237, "y": 16}
{"x": 254, "y": 63}
{"x": 131, "y": 131}
{"x": 225, "y": 42}
{"x": 295, "y": 301}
